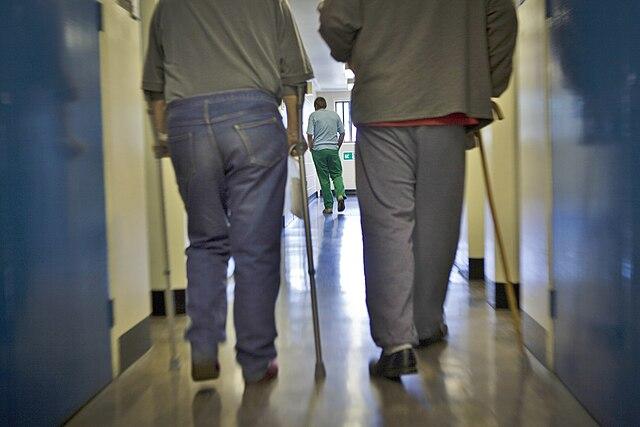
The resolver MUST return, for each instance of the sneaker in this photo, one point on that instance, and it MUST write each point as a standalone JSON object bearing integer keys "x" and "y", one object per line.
{"x": 440, "y": 335}
{"x": 341, "y": 206}
{"x": 392, "y": 366}
{"x": 327, "y": 211}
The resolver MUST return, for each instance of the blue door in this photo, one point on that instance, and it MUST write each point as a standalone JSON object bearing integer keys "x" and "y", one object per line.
{"x": 54, "y": 316}
{"x": 595, "y": 121}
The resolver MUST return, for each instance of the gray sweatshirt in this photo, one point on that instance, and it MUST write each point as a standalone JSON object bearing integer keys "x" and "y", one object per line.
{"x": 416, "y": 59}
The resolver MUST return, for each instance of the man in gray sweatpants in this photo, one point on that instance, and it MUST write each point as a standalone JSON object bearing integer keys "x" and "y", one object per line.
{"x": 425, "y": 75}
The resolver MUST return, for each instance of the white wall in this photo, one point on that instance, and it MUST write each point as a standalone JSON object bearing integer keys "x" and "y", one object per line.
{"x": 124, "y": 158}
{"x": 535, "y": 167}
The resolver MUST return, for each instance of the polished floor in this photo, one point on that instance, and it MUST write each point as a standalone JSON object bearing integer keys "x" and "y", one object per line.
{"x": 478, "y": 378}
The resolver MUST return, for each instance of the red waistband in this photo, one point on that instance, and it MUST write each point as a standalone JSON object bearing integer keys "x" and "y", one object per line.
{"x": 455, "y": 119}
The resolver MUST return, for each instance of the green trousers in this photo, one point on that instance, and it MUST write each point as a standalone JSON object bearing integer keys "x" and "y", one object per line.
{"x": 329, "y": 168}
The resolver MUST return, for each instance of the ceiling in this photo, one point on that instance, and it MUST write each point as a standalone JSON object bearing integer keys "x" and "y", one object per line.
{"x": 329, "y": 73}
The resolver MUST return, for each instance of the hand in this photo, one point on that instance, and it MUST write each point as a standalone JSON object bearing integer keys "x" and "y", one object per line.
{"x": 292, "y": 138}
{"x": 161, "y": 151}
{"x": 297, "y": 146}
{"x": 161, "y": 147}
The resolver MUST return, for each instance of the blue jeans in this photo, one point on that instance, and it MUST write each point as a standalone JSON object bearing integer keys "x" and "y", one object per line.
{"x": 229, "y": 153}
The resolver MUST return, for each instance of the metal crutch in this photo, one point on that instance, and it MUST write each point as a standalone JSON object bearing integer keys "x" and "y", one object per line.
{"x": 511, "y": 293}
{"x": 320, "y": 372}
{"x": 174, "y": 361}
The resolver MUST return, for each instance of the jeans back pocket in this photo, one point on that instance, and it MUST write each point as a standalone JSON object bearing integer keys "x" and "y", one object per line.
{"x": 181, "y": 149}
{"x": 265, "y": 141}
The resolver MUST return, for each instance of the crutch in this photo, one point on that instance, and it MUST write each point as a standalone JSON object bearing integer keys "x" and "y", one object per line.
{"x": 511, "y": 292}
{"x": 174, "y": 361}
{"x": 320, "y": 372}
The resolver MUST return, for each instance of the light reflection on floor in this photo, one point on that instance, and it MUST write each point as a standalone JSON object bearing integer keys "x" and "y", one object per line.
{"x": 478, "y": 378}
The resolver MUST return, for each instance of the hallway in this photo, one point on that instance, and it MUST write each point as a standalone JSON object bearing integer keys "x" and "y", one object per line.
{"x": 477, "y": 378}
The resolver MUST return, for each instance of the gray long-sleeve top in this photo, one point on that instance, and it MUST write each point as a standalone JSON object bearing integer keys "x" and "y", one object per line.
{"x": 198, "y": 47}
{"x": 416, "y": 59}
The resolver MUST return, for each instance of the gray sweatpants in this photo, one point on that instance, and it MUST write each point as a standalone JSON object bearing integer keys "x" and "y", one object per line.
{"x": 410, "y": 189}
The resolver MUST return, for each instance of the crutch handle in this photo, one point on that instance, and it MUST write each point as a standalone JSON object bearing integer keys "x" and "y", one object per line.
{"x": 497, "y": 110}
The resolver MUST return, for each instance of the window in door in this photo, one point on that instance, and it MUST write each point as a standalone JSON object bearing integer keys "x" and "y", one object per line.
{"x": 343, "y": 108}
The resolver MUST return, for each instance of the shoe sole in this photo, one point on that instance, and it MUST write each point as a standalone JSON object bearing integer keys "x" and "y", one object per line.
{"x": 427, "y": 342}
{"x": 341, "y": 206}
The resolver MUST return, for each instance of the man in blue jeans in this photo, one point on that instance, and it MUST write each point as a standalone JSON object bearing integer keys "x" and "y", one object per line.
{"x": 221, "y": 83}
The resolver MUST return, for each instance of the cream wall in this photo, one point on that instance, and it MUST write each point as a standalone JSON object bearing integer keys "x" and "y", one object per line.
{"x": 154, "y": 217}
{"x": 474, "y": 215}
{"x": 124, "y": 158}
{"x": 502, "y": 154}
{"x": 174, "y": 208}
{"x": 535, "y": 167}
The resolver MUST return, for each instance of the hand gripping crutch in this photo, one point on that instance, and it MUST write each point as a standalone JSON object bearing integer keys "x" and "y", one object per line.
{"x": 511, "y": 292}
{"x": 298, "y": 151}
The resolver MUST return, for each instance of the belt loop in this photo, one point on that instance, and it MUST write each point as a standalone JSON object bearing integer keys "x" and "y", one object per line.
{"x": 207, "y": 117}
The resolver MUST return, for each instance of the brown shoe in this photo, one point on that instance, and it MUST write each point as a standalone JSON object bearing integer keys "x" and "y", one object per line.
{"x": 205, "y": 371}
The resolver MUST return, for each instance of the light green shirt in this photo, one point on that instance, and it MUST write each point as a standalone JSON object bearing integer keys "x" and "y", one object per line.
{"x": 325, "y": 126}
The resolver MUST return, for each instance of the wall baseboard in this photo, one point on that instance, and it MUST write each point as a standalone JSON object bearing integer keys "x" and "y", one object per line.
{"x": 134, "y": 344}
{"x": 535, "y": 338}
{"x": 476, "y": 269}
{"x": 497, "y": 295}
{"x": 157, "y": 302}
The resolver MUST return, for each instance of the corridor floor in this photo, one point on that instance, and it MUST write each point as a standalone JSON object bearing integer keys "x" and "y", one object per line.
{"x": 477, "y": 378}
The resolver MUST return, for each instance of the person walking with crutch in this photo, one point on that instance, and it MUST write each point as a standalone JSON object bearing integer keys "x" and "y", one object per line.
{"x": 220, "y": 85}
{"x": 425, "y": 74}
{"x": 325, "y": 133}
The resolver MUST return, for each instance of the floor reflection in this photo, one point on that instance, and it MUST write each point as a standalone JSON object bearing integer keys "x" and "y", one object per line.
{"x": 477, "y": 378}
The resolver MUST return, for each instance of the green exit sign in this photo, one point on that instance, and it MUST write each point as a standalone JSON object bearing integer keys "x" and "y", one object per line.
{"x": 347, "y": 156}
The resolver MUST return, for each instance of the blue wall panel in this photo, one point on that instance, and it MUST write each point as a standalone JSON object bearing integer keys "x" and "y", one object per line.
{"x": 54, "y": 293}
{"x": 595, "y": 121}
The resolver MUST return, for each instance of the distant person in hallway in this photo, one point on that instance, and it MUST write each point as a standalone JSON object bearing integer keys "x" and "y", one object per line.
{"x": 425, "y": 74}
{"x": 220, "y": 69}
{"x": 325, "y": 133}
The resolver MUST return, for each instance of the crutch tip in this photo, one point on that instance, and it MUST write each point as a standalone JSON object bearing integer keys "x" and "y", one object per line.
{"x": 321, "y": 372}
